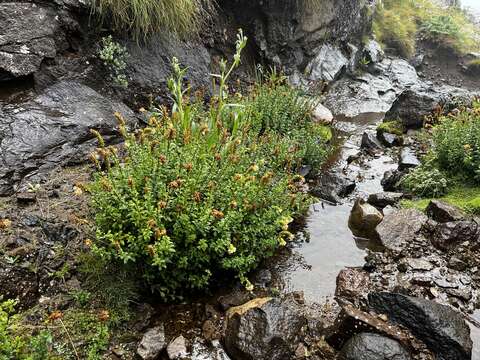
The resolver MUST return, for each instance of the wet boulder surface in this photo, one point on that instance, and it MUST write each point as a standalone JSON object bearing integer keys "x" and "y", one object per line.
{"x": 54, "y": 129}
{"x": 443, "y": 329}
{"x": 370, "y": 346}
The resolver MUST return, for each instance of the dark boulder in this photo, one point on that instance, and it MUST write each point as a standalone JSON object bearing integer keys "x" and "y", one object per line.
{"x": 447, "y": 235}
{"x": 391, "y": 180}
{"x": 422, "y": 99}
{"x": 384, "y": 199}
{"x": 440, "y": 327}
{"x": 443, "y": 212}
{"x": 333, "y": 187}
{"x": 400, "y": 228}
{"x": 370, "y": 142}
{"x": 370, "y": 346}
{"x": 265, "y": 328}
{"x": 54, "y": 129}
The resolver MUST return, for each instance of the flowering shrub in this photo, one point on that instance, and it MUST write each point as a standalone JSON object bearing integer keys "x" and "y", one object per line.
{"x": 198, "y": 193}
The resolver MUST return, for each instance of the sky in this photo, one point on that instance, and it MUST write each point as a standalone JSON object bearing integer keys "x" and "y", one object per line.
{"x": 472, "y": 3}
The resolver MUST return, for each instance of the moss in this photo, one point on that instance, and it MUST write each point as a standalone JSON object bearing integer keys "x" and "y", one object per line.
{"x": 392, "y": 127}
{"x": 465, "y": 198}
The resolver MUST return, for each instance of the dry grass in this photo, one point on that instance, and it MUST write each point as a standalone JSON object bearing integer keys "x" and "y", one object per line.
{"x": 145, "y": 17}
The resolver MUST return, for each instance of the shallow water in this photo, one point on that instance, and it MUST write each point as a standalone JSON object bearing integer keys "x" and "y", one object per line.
{"x": 331, "y": 246}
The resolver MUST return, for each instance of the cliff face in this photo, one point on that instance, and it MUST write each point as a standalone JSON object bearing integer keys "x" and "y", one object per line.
{"x": 288, "y": 32}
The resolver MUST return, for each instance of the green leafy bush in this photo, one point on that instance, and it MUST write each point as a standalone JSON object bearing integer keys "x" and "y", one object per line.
{"x": 198, "y": 194}
{"x": 114, "y": 58}
{"x": 145, "y": 17}
{"x": 457, "y": 144}
{"x": 425, "y": 181}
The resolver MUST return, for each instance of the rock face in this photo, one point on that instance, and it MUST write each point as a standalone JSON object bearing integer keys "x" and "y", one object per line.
{"x": 27, "y": 34}
{"x": 369, "y": 346}
{"x": 363, "y": 219}
{"x": 370, "y": 142}
{"x": 442, "y": 329}
{"x": 384, "y": 199}
{"x": 422, "y": 99}
{"x": 152, "y": 343}
{"x": 264, "y": 329}
{"x": 327, "y": 65}
{"x": 372, "y": 92}
{"x": 333, "y": 187}
{"x": 288, "y": 32}
{"x": 53, "y": 129}
{"x": 400, "y": 227}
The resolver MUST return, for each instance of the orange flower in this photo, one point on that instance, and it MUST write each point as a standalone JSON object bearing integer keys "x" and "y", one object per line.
{"x": 55, "y": 315}
{"x": 217, "y": 214}
{"x": 159, "y": 233}
{"x": 162, "y": 204}
{"x": 103, "y": 315}
{"x": 188, "y": 166}
{"x": 88, "y": 243}
{"x": 5, "y": 223}
{"x": 197, "y": 196}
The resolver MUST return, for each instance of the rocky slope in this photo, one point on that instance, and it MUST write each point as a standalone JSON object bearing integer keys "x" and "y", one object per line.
{"x": 55, "y": 89}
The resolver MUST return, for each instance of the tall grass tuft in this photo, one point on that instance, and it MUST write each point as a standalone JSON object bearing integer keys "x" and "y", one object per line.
{"x": 145, "y": 17}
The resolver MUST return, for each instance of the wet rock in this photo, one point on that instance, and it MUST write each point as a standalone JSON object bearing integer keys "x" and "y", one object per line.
{"x": 201, "y": 351}
{"x": 363, "y": 219}
{"x": 327, "y": 64}
{"x": 373, "y": 52}
{"x": 450, "y": 234}
{"x": 443, "y": 212}
{"x": 352, "y": 283}
{"x": 422, "y": 99}
{"x": 368, "y": 94}
{"x": 27, "y": 37}
{"x": 391, "y": 180}
{"x": 333, "y": 187}
{"x": 408, "y": 159}
{"x": 384, "y": 199}
{"x": 53, "y": 129}
{"x": 149, "y": 65}
{"x": 370, "y": 142}
{"x": 369, "y": 346}
{"x": 441, "y": 328}
{"x": 389, "y": 140}
{"x": 322, "y": 115}
{"x": 264, "y": 329}
{"x": 234, "y": 298}
{"x": 177, "y": 349}
{"x": 152, "y": 343}
{"x": 400, "y": 228}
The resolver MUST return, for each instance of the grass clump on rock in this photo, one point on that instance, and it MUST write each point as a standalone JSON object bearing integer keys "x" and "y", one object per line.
{"x": 201, "y": 193}
{"x": 146, "y": 17}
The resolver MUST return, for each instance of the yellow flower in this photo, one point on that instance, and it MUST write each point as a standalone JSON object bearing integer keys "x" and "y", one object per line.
{"x": 88, "y": 242}
{"x": 231, "y": 249}
{"x": 5, "y": 223}
{"x": 77, "y": 191}
{"x": 282, "y": 242}
{"x": 248, "y": 286}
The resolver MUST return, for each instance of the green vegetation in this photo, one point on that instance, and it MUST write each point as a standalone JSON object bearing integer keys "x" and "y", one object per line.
{"x": 451, "y": 170}
{"x": 205, "y": 192}
{"x": 145, "y": 17}
{"x": 398, "y": 24}
{"x": 392, "y": 127}
{"x": 114, "y": 58}
{"x": 465, "y": 198}
{"x": 21, "y": 347}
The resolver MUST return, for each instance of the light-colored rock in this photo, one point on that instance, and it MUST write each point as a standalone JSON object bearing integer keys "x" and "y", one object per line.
{"x": 322, "y": 114}
{"x": 363, "y": 219}
{"x": 327, "y": 65}
{"x": 177, "y": 349}
{"x": 152, "y": 343}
